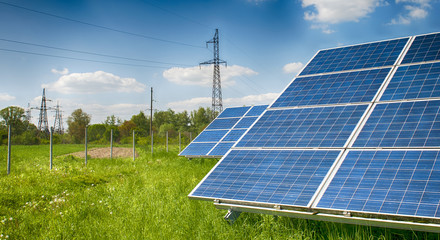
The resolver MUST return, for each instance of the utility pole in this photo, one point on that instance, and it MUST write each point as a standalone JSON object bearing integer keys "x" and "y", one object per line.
{"x": 151, "y": 120}
{"x": 217, "y": 102}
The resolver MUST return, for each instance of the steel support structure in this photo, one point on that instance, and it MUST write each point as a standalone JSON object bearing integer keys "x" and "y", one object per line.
{"x": 217, "y": 102}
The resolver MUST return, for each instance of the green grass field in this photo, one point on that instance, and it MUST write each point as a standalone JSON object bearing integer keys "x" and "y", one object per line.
{"x": 144, "y": 199}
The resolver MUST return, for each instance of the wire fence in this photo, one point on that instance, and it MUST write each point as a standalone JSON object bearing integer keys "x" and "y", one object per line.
{"x": 159, "y": 142}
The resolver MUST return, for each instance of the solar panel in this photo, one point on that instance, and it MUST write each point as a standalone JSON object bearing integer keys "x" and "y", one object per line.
{"x": 365, "y": 120}
{"x": 402, "y": 124}
{"x": 414, "y": 82}
{"x": 211, "y": 136}
{"x": 221, "y": 149}
{"x": 388, "y": 182}
{"x": 347, "y": 87}
{"x": 245, "y": 122}
{"x": 268, "y": 176}
{"x": 234, "y": 112}
{"x": 369, "y": 55}
{"x": 223, "y": 132}
{"x": 197, "y": 149}
{"x": 256, "y": 111}
{"x": 304, "y": 127}
{"x": 424, "y": 48}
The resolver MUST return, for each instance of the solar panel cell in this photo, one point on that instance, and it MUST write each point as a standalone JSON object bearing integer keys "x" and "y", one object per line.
{"x": 288, "y": 177}
{"x": 221, "y": 149}
{"x": 400, "y": 182}
{"x": 308, "y": 127}
{"x": 424, "y": 48}
{"x": 211, "y": 136}
{"x": 370, "y": 55}
{"x": 223, "y": 123}
{"x": 415, "y": 81}
{"x": 256, "y": 110}
{"x": 233, "y": 112}
{"x": 359, "y": 86}
{"x": 197, "y": 149}
{"x": 403, "y": 124}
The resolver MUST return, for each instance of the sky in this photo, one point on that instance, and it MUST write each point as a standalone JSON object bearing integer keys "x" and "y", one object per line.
{"x": 104, "y": 56}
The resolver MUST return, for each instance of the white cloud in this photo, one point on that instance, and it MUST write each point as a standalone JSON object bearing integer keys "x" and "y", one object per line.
{"x": 65, "y": 71}
{"x": 94, "y": 82}
{"x": 415, "y": 9}
{"x": 325, "y": 12}
{"x": 6, "y": 97}
{"x": 202, "y": 76}
{"x": 195, "y": 103}
{"x": 293, "y": 68}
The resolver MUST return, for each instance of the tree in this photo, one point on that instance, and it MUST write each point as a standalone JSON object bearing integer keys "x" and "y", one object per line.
{"x": 96, "y": 132}
{"x": 113, "y": 121}
{"x": 15, "y": 117}
{"x": 77, "y": 123}
{"x": 142, "y": 123}
{"x": 126, "y": 128}
{"x": 200, "y": 119}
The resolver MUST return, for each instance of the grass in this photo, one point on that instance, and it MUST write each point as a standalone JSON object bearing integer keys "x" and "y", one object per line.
{"x": 144, "y": 199}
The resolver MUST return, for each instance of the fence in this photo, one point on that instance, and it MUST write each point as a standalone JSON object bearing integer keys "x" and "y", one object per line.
{"x": 161, "y": 141}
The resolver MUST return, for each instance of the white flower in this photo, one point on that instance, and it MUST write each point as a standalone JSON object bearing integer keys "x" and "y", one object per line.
{"x": 10, "y": 219}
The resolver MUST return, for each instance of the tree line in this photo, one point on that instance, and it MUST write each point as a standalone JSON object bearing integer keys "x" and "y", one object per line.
{"x": 26, "y": 133}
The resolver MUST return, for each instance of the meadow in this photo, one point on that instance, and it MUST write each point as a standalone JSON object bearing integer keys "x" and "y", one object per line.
{"x": 141, "y": 199}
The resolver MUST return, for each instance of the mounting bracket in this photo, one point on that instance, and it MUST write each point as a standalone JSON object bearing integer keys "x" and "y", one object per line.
{"x": 231, "y": 216}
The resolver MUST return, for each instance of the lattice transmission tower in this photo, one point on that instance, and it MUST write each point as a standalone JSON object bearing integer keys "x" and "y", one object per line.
{"x": 217, "y": 102}
{"x": 43, "y": 125}
{"x": 58, "y": 123}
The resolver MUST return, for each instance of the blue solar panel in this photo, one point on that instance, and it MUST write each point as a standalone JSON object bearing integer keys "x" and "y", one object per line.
{"x": 234, "y": 135}
{"x": 391, "y": 182}
{"x": 211, "y": 136}
{"x": 402, "y": 124}
{"x": 245, "y": 122}
{"x": 222, "y": 132}
{"x": 288, "y": 177}
{"x": 221, "y": 149}
{"x": 256, "y": 111}
{"x": 223, "y": 123}
{"x": 370, "y": 55}
{"x": 233, "y": 112}
{"x": 307, "y": 127}
{"x": 197, "y": 149}
{"x": 349, "y": 87}
{"x": 415, "y": 81}
{"x": 424, "y": 48}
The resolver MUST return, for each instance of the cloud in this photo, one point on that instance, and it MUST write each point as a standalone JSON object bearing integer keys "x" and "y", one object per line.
{"x": 4, "y": 97}
{"x": 325, "y": 12}
{"x": 415, "y": 9}
{"x": 195, "y": 103}
{"x": 65, "y": 71}
{"x": 94, "y": 82}
{"x": 293, "y": 68}
{"x": 202, "y": 76}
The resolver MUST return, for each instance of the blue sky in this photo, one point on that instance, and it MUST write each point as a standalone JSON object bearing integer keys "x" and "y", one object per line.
{"x": 103, "y": 56}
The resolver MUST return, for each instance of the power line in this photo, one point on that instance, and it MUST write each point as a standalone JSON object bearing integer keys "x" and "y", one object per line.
{"x": 79, "y": 59}
{"x": 90, "y": 53}
{"x": 99, "y": 26}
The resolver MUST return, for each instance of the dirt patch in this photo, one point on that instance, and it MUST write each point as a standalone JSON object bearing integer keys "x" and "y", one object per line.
{"x": 118, "y": 152}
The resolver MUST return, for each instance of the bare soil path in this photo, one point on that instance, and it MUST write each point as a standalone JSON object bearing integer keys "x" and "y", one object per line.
{"x": 118, "y": 152}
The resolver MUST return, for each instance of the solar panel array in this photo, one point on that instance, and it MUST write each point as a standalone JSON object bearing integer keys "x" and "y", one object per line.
{"x": 223, "y": 132}
{"x": 357, "y": 131}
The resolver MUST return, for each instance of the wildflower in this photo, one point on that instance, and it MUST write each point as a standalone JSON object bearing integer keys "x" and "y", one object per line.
{"x": 111, "y": 213}
{"x": 42, "y": 196}
{"x": 10, "y": 219}
{"x": 100, "y": 201}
